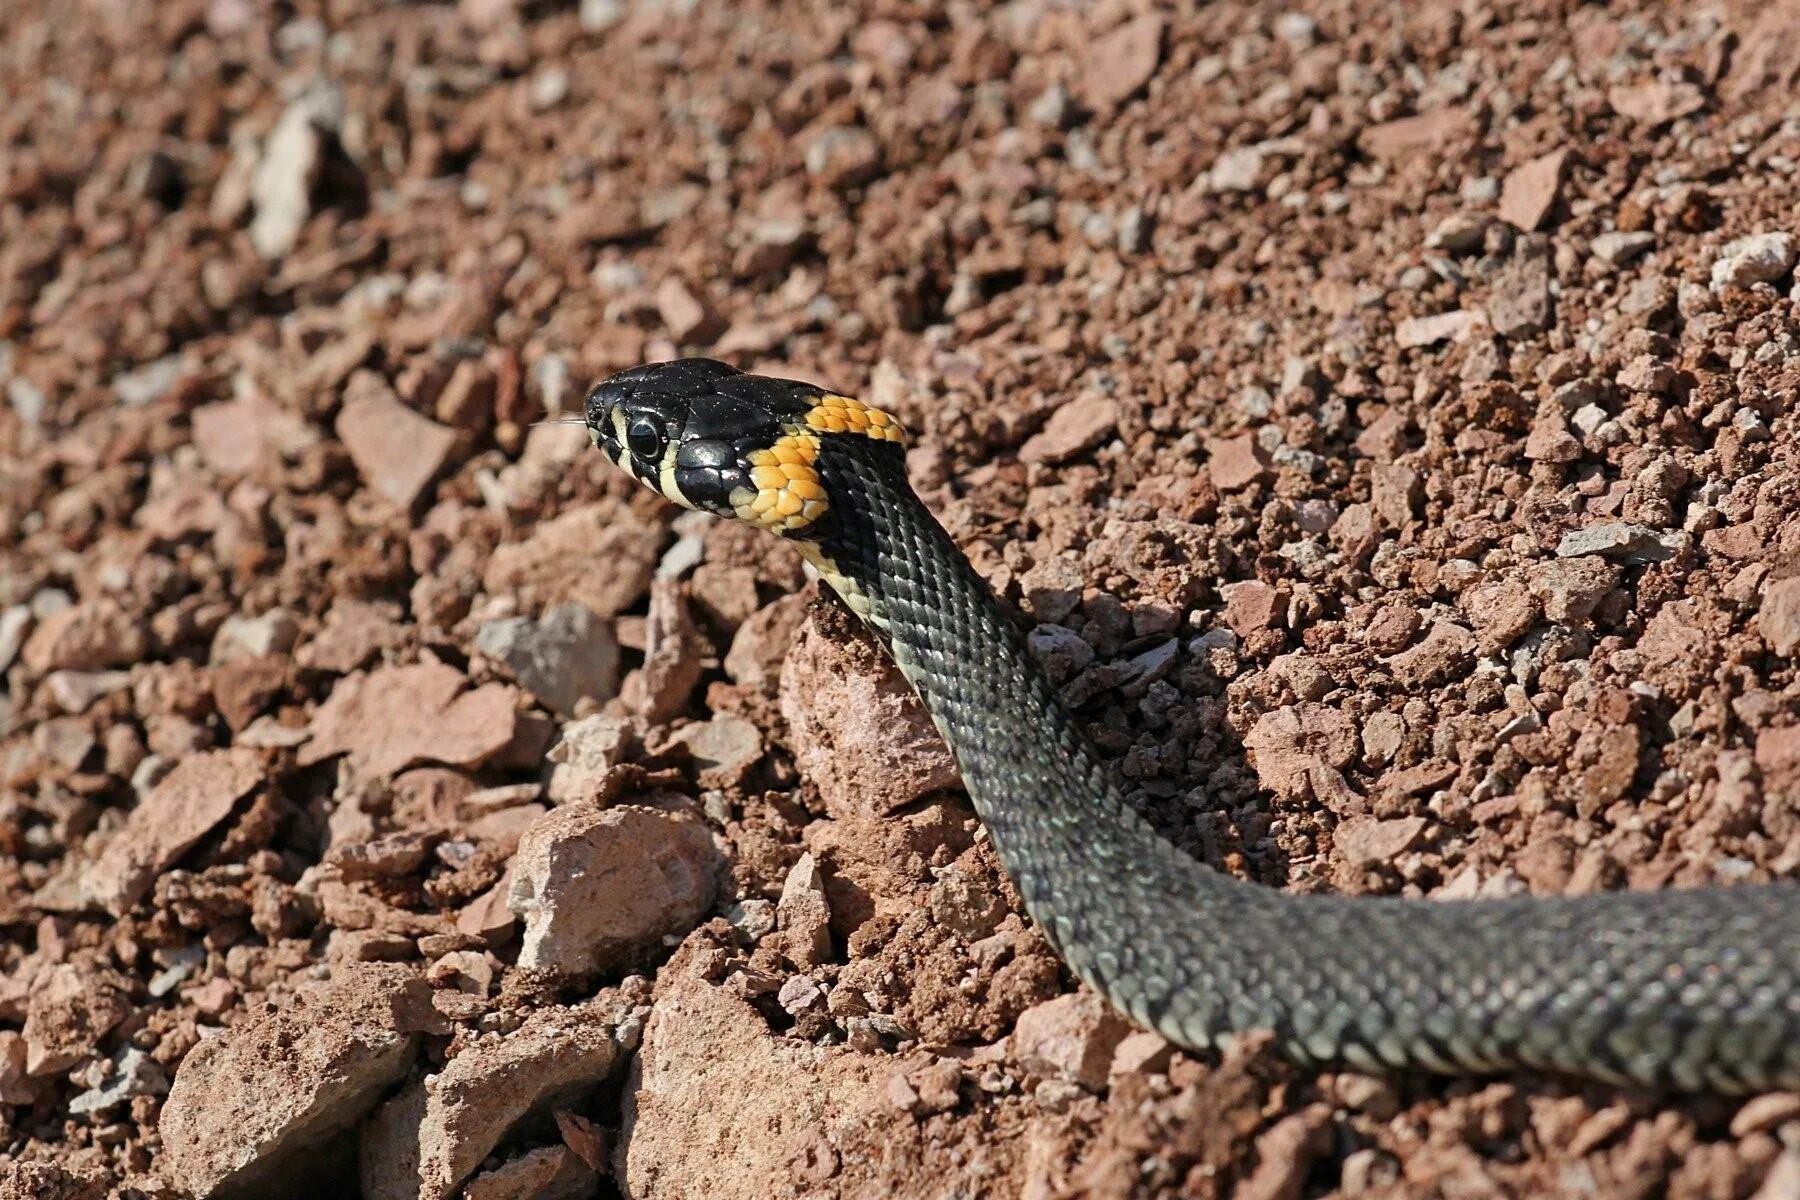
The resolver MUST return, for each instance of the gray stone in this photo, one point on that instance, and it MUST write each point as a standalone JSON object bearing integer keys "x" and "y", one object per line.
{"x": 275, "y": 632}
{"x": 755, "y": 919}
{"x": 723, "y": 749}
{"x": 134, "y": 1073}
{"x": 152, "y": 381}
{"x": 567, "y": 655}
{"x": 1617, "y": 540}
{"x": 1619, "y": 248}
{"x": 589, "y": 749}
{"x": 1059, "y": 650}
{"x": 1588, "y": 418}
{"x": 1520, "y": 303}
{"x": 15, "y": 623}
{"x": 1759, "y": 258}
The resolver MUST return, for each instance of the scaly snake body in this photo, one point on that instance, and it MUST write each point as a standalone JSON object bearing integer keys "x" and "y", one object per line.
{"x": 1695, "y": 989}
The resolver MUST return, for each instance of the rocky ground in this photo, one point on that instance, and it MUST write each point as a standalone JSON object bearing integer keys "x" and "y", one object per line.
{"x": 1383, "y": 414}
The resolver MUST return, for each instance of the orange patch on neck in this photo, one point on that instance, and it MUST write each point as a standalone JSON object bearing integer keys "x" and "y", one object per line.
{"x": 786, "y": 493}
{"x": 846, "y": 414}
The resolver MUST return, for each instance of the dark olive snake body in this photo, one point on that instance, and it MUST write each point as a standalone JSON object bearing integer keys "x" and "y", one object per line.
{"x": 1696, "y": 989}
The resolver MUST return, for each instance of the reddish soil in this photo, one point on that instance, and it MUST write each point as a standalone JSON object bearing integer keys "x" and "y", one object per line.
{"x": 1383, "y": 414}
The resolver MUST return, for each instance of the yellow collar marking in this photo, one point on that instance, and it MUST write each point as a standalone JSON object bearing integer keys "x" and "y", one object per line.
{"x": 847, "y": 414}
{"x": 786, "y": 493}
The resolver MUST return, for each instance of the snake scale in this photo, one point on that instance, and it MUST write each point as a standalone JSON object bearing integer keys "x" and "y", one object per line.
{"x": 1695, "y": 989}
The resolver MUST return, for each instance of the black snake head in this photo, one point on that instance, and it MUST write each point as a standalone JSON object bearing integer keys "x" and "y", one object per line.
{"x": 708, "y": 436}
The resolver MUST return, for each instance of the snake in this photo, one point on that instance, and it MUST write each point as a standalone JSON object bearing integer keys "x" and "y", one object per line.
{"x": 1687, "y": 989}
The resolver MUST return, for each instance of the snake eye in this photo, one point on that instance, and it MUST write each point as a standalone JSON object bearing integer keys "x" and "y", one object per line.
{"x": 644, "y": 439}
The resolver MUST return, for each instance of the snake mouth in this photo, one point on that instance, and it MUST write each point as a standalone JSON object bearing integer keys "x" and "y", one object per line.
{"x": 706, "y": 474}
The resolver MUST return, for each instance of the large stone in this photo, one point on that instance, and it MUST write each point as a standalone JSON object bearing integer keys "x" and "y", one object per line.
{"x": 1438, "y": 132}
{"x": 249, "y": 1104}
{"x": 599, "y": 887}
{"x": 1071, "y": 1038}
{"x": 803, "y": 1102}
{"x": 856, "y": 728}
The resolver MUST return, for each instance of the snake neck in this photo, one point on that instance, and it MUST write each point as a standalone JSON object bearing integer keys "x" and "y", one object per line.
{"x": 1044, "y": 792}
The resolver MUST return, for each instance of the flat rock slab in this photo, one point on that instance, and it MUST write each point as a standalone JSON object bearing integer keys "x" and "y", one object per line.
{"x": 598, "y": 556}
{"x": 199, "y": 793}
{"x": 426, "y": 1141}
{"x": 397, "y": 451}
{"x": 249, "y": 1103}
{"x": 394, "y": 717}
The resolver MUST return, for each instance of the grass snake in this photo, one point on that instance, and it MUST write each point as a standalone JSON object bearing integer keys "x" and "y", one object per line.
{"x": 1696, "y": 989}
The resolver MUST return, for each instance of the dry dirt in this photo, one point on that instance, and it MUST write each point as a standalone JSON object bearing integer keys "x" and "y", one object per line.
{"x": 1384, "y": 414}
